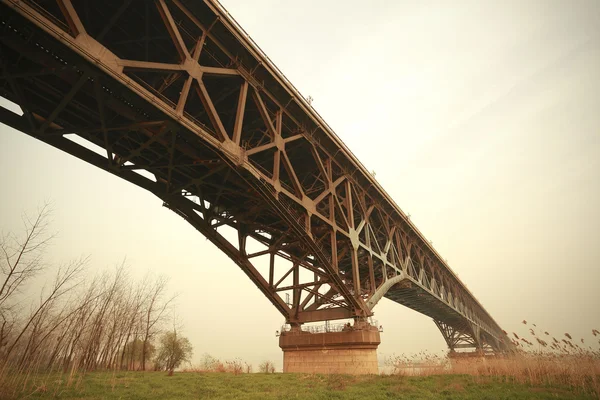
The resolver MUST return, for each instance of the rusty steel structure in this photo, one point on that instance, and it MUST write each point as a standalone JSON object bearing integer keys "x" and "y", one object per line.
{"x": 174, "y": 97}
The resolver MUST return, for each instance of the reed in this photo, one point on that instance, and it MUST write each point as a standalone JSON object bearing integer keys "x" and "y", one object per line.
{"x": 544, "y": 360}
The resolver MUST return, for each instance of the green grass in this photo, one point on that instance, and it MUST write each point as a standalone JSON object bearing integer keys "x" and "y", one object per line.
{"x": 189, "y": 385}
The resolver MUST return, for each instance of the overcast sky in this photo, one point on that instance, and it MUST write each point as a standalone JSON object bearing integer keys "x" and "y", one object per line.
{"x": 481, "y": 119}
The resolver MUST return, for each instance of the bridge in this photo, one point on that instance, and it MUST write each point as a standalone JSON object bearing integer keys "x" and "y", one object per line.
{"x": 174, "y": 97}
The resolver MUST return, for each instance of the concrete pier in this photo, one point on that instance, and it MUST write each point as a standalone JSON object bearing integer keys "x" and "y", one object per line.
{"x": 346, "y": 352}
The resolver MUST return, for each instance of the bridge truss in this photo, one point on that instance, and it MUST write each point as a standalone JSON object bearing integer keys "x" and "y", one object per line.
{"x": 181, "y": 102}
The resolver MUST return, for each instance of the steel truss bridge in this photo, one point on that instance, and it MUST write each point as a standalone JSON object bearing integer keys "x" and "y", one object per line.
{"x": 181, "y": 102}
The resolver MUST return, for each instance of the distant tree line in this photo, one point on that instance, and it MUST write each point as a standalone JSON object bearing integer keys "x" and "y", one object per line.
{"x": 78, "y": 323}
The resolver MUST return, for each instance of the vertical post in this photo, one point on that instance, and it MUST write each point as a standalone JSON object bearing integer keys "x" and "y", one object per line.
{"x": 334, "y": 252}
{"x": 239, "y": 117}
{"x": 296, "y": 293}
{"x": 372, "y": 274}
{"x": 355, "y": 272}
{"x": 271, "y": 268}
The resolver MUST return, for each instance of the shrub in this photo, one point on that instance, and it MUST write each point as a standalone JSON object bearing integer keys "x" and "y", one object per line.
{"x": 266, "y": 367}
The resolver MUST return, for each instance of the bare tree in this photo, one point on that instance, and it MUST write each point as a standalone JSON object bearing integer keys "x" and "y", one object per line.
{"x": 21, "y": 259}
{"x": 65, "y": 280}
{"x": 132, "y": 319}
{"x": 266, "y": 367}
{"x": 155, "y": 313}
{"x": 100, "y": 322}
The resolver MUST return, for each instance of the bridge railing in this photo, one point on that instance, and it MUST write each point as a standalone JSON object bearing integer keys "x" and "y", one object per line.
{"x": 324, "y": 328}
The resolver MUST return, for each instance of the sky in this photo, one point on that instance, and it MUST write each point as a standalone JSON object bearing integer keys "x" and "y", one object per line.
{"x": 481, "y": 119}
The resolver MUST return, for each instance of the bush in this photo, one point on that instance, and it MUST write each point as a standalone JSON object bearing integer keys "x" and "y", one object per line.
{"x": 266, "y": 367}
{"x": 212, "y": 364}
{"x": 174, "y": 350}
{"x": 234, "y": 366}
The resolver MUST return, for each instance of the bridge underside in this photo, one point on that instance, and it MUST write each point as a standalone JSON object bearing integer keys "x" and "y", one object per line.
{"x": 173, "y": 97}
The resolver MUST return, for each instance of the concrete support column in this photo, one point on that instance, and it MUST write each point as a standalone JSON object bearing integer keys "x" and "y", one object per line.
{"x": 353, "y": 351}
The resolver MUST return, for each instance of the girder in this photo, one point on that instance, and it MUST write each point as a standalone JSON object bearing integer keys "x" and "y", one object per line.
{"x": 175, "y": 90}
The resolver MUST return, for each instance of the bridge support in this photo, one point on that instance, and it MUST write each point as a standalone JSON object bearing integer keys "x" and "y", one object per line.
{"x": 349, "y": 351}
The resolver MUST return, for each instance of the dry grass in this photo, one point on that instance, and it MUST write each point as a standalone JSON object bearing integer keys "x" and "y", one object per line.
{"x": 544, "y": 360}
{"x": 211, "y": 364}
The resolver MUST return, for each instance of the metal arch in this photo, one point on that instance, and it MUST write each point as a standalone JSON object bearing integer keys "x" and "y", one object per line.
{"x": 384, "y": 288}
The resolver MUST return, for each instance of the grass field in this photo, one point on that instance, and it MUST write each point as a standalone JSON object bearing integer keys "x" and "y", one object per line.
{"x": 189, "y": 385}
